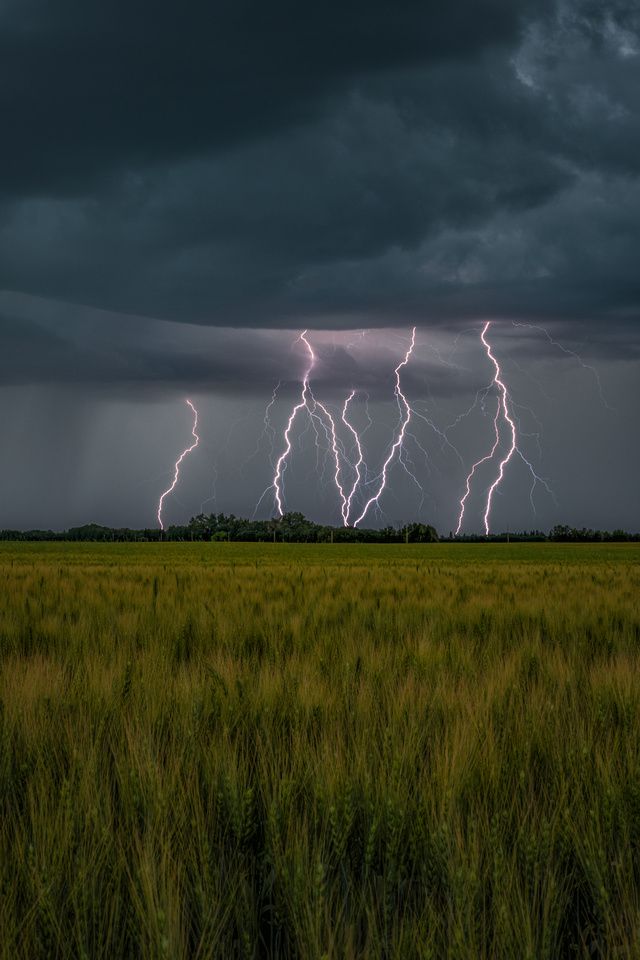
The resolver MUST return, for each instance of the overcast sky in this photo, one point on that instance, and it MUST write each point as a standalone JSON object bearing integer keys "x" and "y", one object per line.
{"x": 184, "y": 188}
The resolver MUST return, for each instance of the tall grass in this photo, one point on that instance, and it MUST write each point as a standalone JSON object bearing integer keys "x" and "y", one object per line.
{"x": 220, "y": 751}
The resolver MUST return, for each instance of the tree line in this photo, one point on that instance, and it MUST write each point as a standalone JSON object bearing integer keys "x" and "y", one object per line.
{"x": 296, "y": 528}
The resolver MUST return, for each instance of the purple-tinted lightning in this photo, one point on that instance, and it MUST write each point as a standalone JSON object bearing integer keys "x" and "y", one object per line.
{"x": 336, "y": 458}
{"x": 346, "y": 505}
{"x": 396, "y": 447}
{"x": 504, "y": 406}
{"x": 503, "y": 411}
{"x": 282, "y": 459}
{"x": 337, "y": 435}
{"x": 309, "y": 403}
{"x": 341, "y": 460}
{"x": 281, "y": 463}
{"x": 185, "y": 453}
{"x": 478, "y": 463}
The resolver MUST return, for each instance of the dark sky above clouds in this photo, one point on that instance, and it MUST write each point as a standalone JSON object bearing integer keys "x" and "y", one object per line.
{"x": 185, "y": 187}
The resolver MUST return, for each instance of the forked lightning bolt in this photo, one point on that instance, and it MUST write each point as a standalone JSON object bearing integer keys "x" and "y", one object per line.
{"x": 185, "y": 453}
{"x": 309, "y": 403}
{"x": 346, "y": 503}
{"x": 282, "y": 459}
{"x": 503, "y": 411}
{"x": 396, "y": 448}
{"x": 504, "y": 406}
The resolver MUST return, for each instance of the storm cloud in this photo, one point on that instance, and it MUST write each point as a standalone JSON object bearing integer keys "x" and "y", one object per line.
{"x": 236, "y": 164}
{"x": 181, "y": 188}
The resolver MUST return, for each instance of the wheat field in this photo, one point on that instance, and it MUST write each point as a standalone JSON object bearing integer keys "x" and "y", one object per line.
{"x": 290, "y": 751}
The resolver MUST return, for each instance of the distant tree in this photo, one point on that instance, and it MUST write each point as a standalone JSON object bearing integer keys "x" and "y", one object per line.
{"x": 421, "y": 533}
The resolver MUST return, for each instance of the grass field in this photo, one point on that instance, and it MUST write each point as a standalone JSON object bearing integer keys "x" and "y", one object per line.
{"x": 235, "y": 750}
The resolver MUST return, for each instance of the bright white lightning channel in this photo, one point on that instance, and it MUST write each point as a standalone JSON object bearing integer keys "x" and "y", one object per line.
{"x": 396, "y": 447}
{"x": 185, "y": 453}
{"x": 503, "y": 411}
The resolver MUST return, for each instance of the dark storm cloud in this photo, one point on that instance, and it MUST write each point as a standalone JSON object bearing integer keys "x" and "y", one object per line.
{"x": 89, "y": 88}
{"x": 329, "y": 165}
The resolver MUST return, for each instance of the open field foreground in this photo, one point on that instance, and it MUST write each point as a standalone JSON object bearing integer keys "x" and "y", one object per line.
{"x": 236, "y": 750}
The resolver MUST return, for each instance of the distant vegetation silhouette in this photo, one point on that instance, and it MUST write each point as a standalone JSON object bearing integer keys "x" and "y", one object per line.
{"x": 296, "y": 528}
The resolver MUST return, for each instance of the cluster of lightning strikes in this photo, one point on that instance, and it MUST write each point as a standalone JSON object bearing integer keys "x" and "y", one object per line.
{"x": 320, "y": 418}
{"x": 360, "y": 492}
{"x": 176, "y": 468}
{"x": 372, "y": 490}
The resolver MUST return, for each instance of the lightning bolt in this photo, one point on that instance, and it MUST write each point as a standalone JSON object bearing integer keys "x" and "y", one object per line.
{"x": 282, "y": 459}
{"x": 503, "y": 410}
{"x": 346, "y": 504}
{"x": 336, "y": 458}
{"x": 309, "y": 403}
{"x": 405, "y": 418}
{"x": 185, "y": 453}
{"x": 504, "y": 406}
{"x": 478, "y": 463}
{"x": 426, "y": 417}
